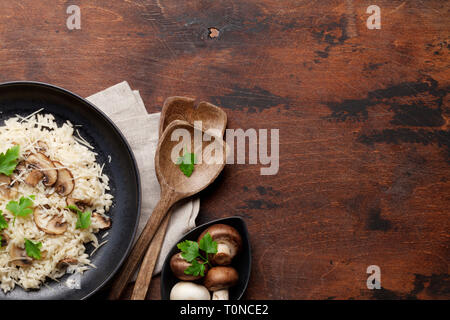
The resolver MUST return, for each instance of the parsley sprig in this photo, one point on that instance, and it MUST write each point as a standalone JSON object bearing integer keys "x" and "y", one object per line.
{"x": 33, "y": 249}
{"x": 186, "y": 163}
{"x": 191, "y": 252}
{"x": 84, "y": 218}
{"x": 9, "y": 159}
{"x": 23, "y": 208}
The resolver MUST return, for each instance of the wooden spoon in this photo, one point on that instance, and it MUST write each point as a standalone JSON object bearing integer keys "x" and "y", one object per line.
{"x": 174, "y": 187}
{"x": 145, "y": 274}
{"x": 175, "y": 108}
{"x": 183, "y": 108}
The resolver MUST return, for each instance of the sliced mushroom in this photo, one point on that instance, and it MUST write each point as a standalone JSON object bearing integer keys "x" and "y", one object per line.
{"x": 64, "y": 263}
{"x": 5, "y": 240}
{"x": 34, "y": 177}
{"x": 40, "y": 162}
{"x": 101, "y": 221}
{"x": 20, "y": 169}
{"x": 19, "y": 256}
{"x": 54, "y": 225}
{"x": 41, "y": 146}
{"x": 6, "y": 189}
{"x": 4, "y": 180}
{"x": 65, "y": 183}
{"x": 82, "y": 205}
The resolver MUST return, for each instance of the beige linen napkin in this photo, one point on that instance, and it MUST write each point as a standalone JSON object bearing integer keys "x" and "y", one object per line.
{"x": 127, "y": 110}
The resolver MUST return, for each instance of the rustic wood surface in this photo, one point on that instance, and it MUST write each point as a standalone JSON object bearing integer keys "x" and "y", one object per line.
{"x": 363, "y": 115}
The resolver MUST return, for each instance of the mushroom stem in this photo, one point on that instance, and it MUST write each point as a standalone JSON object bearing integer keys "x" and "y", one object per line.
{"x": 221, "y": 295}
{"x": 222, "y": 248}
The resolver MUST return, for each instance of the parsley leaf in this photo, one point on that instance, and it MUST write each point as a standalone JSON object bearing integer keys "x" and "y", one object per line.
{"x": 73, "y": 208}
{"x": 8, "y": 161}
{"x": 196, "y": 268}
{"x": 186, "y": 163}
{"x": 3, "y": 222}
{"x": 22, "y": 208}
{"x": 207, "y": 244}
{"x": 190, "y": 251}
{"x": 33, "y": 249}
{"x": 84, "y": 218}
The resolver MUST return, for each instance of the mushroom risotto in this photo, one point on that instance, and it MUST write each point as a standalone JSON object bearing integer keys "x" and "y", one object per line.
{"x": 53, "y": 200}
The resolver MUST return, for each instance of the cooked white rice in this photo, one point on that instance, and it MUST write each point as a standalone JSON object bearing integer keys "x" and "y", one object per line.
{"x": 74, "y": 153}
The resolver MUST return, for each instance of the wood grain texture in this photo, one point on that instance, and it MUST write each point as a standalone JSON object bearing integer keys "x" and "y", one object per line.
{"x": 363, "y": 118}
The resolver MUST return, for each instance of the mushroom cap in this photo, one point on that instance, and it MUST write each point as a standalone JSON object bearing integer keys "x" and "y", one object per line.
{"x": 54, "y": 226}
{"x": 227, "y": 238}
{"x": 178, "y": 265}
{"x": 65, "y": 183}
{"x": 19, "y": 256}
{"x": 220, "y": 277}
{"x": 185, "y": 290}
{"x": 41, "y": 162}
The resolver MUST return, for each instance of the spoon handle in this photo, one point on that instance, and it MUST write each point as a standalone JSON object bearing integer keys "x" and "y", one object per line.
{"x": 168, "y": 198}
{"x": 148, "y": 264}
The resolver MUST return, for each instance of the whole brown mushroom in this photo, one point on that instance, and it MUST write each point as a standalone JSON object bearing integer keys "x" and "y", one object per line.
{"x": 219, "y": 280}
{"x": 178, "y": 265}
{"x": 229, "y": 243}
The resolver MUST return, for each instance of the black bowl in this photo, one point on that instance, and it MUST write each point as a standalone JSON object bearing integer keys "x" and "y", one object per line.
{"x": 242, "y": 262}
{"x": 24, "y": 98}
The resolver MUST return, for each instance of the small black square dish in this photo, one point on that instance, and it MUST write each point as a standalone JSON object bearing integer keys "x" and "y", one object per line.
{"x": 241, "y": 262}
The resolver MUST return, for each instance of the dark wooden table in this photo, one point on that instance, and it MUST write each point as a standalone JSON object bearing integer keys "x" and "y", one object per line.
{"x": 363, "y": 115}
